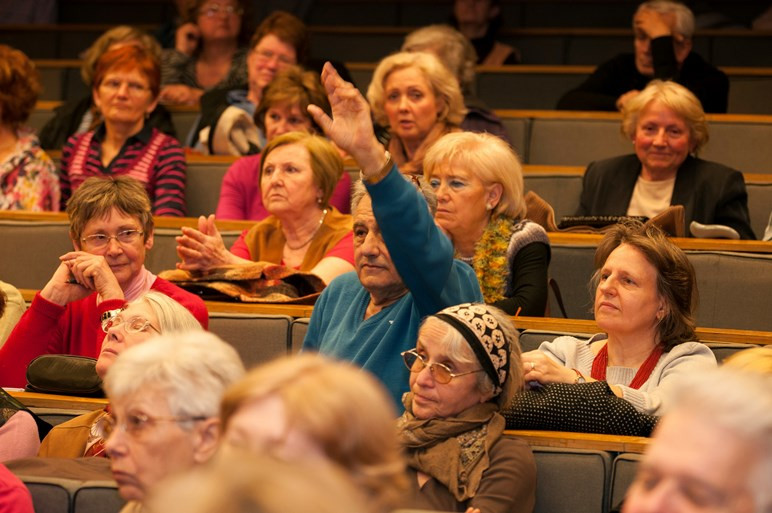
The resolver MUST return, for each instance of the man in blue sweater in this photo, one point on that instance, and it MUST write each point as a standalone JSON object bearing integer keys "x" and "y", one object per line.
{"x": 404, "y": 264}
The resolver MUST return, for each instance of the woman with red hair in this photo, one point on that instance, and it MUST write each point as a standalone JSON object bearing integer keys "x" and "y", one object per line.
{"x": 125, "y": 89}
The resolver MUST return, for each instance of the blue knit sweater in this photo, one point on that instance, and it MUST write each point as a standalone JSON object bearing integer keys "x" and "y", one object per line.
{"x": 423, "y": 256}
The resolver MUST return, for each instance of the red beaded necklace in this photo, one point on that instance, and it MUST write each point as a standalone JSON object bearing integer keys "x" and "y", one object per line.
{"x": 600, "y": 363}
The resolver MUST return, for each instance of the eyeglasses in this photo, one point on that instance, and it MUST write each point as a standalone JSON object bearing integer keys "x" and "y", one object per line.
{"x": 442, "y": 374}
{"x": 267, "y": 55}
{"x": 135, "y": 88}
{"x": 214, "y": 9}
{"x": 124, "y": 237}
{"x": 133, "y": 325}
{"x": 137, "y": 423}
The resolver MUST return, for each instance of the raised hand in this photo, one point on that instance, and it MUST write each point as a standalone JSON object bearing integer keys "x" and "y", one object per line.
{"x": 203, "y": 249}
{"x": 351, "y": 127}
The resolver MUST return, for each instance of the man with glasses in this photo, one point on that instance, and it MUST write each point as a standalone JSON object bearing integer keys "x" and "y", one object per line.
{"x": 663, "y": 31}
{"x": 111, "y": 228}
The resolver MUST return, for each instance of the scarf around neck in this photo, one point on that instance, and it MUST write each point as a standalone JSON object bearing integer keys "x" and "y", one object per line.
{"x": 455, "y": 451}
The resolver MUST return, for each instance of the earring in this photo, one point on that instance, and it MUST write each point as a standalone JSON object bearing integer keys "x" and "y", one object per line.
{"x": 488, "y": 206}
{"x": 319, "y": 201}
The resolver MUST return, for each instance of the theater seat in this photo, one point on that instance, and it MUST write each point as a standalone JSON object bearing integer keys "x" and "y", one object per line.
{"x": 257, "y": 338}
{"x": 532, "y": 339}
{"x": 298, "y": 333}
{"x": 622, "y": 475}
{"x": 571, "y": 480}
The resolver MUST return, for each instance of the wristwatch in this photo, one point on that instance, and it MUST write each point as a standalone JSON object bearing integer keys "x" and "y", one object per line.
{"x": 579, "y": 377}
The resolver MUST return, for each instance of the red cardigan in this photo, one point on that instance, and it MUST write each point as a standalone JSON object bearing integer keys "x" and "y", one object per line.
{"x": 48, "y": 328}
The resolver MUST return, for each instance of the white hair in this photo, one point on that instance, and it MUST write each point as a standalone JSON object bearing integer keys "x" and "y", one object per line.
{"x": 192, "y": 368}
{"x": 684, "y": 18}
{"x": 171, "y": 315}
{"x": 741, "y": 403}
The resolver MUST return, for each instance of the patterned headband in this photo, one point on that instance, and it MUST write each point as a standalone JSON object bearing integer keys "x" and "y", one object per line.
{"x": 484, "y": 335}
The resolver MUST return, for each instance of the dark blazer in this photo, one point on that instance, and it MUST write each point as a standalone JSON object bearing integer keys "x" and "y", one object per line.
{"x": 619, "y": 75}
{"x": 710, "y": 192}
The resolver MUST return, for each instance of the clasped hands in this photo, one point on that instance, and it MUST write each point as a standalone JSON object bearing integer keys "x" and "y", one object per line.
{"x": 80, "y": 274}
{"x": 203, "y": 248}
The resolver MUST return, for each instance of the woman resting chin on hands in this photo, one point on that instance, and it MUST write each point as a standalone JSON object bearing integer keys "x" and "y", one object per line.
{"x": 298, "y": 174}
{"x": 643, "y": 302}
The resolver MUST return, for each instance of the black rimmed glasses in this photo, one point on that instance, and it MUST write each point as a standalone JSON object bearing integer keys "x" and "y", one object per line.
{"x": 101, "y": 240}
{"x": 131, "y": 325}
{"x": 442, "y": 374}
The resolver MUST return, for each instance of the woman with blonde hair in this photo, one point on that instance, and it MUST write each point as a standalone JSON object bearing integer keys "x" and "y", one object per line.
{"x": 77, "y": 117}
{"x": 419, "y": 100}
{"x": 458, "y": 54}
{"x": 310, "y": 407}
{"x": 478, "y": 181}
{"x": 667, "y": 126}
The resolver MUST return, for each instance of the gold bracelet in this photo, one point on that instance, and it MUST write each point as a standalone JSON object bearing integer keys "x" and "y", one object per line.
{"x": 381, "y": 174}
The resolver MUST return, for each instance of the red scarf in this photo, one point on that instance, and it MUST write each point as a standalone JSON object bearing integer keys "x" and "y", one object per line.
{"x": 600, "y": 363}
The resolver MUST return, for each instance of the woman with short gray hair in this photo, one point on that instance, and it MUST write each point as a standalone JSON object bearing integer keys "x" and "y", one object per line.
{"x": 165, "y": 399}
{"x": 138, "y": 321}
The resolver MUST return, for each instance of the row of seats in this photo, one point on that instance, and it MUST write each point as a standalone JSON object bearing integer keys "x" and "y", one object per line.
{"x": 550, "y": 138}
{"x": 355, "y": 43}
{"x": 551, "y": 46}
{"x": 506, "y": 87}
{"x": 562, "y": 189}
{"x": 569, "y": 481}
{"x": 734, "y": 287}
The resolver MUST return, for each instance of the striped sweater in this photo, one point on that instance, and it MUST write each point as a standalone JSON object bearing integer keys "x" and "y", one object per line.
{"x": 152, "y": 157}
